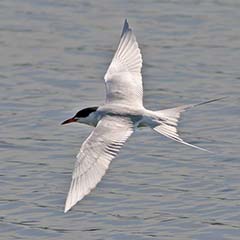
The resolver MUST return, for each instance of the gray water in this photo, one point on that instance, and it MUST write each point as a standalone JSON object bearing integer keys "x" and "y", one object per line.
{"x": 53, "y": 58}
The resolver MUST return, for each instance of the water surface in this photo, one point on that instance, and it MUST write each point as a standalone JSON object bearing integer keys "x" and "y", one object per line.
{"x": 53, "y": 58}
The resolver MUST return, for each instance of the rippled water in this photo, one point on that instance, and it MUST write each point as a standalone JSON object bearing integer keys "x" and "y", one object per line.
{"x": 53, "y": 58}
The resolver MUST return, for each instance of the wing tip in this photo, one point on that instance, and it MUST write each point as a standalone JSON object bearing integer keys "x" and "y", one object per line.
{"x": 66, "y": 209}
{"x": 72, "y": 200}
{"x": 68, "y": 205}
{"x": 125, "y": 27}
{"x": 71, "y": 203}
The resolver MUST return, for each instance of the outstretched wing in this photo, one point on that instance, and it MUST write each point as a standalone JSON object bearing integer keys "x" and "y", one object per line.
{"x": 123, "y": 78}
{"x": 95, "y": 155}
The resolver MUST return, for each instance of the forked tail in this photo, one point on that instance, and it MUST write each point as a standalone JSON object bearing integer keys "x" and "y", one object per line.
{"x": 168, "y": 121}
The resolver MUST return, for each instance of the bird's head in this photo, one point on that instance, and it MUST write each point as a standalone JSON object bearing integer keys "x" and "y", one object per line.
{"x": 83, "y": 116}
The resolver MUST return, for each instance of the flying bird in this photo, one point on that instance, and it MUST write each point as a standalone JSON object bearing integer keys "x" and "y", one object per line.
{"x": 115, "y": 121}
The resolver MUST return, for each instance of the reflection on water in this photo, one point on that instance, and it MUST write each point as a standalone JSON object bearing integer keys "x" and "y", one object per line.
{"x": 53, "y": 59}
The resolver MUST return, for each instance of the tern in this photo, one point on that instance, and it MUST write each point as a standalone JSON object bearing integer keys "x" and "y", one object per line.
{"x": 115, "y": 121}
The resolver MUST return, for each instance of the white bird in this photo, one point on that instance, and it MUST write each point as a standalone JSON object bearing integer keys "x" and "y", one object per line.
{"x": 118, "y": 118}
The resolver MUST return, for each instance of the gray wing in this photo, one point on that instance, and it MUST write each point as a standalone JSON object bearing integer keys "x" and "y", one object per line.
{"x": 123, "y": 78}
{"x": 95, "y": 155}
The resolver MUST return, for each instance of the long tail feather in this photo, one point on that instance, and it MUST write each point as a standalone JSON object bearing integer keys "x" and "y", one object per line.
{"x": 168, "y": 121}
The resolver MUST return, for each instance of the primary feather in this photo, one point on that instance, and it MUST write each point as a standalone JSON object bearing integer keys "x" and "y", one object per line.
{"x": 95, "y": 155}
{"x": 125, "y": 70}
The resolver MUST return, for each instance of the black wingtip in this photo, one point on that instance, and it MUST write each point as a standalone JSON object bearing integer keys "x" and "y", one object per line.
{"x": 125, "y": 27}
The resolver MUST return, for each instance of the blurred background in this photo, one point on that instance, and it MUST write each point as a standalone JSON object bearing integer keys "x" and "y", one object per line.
{"x": 54, "y": 54}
